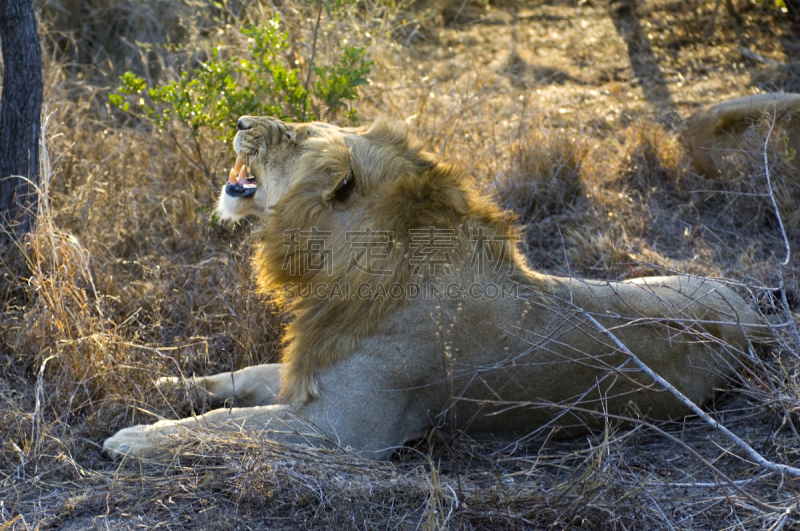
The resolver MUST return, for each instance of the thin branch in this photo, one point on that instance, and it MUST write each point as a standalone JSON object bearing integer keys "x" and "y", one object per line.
{"x": 186, "y": 155}
{"x": 716, "y": 484}
{"x": 738, "y": 23}
{"x": 735, "y": 485}
{"x": 769, "y": 187}
{"x": 739, "y": 443}
{"x": 725, "y": 480}
{"x": 787, "y": 248}
{"x": 712, "y": 22}
{"x": 313, "y": 50}
{"x": 757, "y": 57}
{"x": 202, "y": 160}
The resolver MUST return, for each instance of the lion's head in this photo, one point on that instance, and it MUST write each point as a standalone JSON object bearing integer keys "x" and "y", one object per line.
{"x": 330, "y": 161}
{"x": 321, "y": 191}
{"x": 313, "y": 182}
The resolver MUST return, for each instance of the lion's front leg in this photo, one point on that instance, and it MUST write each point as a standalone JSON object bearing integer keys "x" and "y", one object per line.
{"x": 252, "y": 386}
{"x": 147, "y": 441}
{"x": 167, "y": 437}
{"x": 364, "y": 405}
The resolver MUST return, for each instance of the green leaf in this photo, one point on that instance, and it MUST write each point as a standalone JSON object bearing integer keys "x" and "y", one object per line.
{"x": 211, "y": 98}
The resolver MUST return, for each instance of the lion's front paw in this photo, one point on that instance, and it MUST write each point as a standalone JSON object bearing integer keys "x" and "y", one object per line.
{"x": 140, "y": 442}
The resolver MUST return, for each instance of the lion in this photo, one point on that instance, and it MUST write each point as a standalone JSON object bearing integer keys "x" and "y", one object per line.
{"x": 715, "y": 131}
{"x": 414, "y": 311}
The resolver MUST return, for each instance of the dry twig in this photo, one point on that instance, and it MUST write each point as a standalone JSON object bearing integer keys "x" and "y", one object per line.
{"x": 786, "y": 246}
{"x": 738, "y": 442}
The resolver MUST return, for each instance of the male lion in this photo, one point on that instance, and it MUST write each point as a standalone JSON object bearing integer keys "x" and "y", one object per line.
{"x": 413, "y": 309}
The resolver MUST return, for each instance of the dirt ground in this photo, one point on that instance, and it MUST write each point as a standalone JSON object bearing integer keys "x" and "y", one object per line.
{"x": 569, "y": 112}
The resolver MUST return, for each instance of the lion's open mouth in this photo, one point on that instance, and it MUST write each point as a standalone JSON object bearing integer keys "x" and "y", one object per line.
{"x": 240, "y": 184}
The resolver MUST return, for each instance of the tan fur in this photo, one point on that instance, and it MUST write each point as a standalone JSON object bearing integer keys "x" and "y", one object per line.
{"x": 398, "y": 197}
{"x": 372, "y": 372}
{"x": 715, "y": 131}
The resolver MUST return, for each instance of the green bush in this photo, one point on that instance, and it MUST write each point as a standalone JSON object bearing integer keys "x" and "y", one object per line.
{"x": 215, "y": 95}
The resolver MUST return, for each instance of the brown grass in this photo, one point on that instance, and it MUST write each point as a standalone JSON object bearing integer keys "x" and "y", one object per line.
{"x": 653, "y": 160}
{"x": 126, "y": 278}
{"x": 545, "y": 177}
{"x": 546, "y": 186}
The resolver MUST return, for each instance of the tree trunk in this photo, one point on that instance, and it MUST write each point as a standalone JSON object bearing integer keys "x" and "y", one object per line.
{"x": 20, "y": 122}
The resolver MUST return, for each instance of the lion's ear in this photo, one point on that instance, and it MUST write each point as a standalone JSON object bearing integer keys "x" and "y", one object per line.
{"x": 341, "y": 192}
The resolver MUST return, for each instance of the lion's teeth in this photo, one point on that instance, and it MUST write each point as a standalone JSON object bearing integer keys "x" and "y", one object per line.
{"x": 238, "y": 165}
{"x": 239, "y": 174}
{"x": 243, "y": 180}
{"x": 236, "y": 171}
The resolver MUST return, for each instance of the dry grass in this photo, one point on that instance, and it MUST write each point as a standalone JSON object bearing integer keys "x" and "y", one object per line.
{"x": 126, "y": 278}
{"x": 546, "y": 186}
{"x": 545, "y": 177}
{"x": 653, "y": 160}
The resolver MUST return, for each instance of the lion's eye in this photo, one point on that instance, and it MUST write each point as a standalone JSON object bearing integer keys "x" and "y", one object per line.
{"x": 345, "y": 188}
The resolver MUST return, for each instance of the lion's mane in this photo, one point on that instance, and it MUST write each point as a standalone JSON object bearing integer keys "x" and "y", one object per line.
{"x": 406, "y": 190}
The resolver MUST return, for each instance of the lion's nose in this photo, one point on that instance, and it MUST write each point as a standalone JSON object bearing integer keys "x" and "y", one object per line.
{"x": 244, "y": 123}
